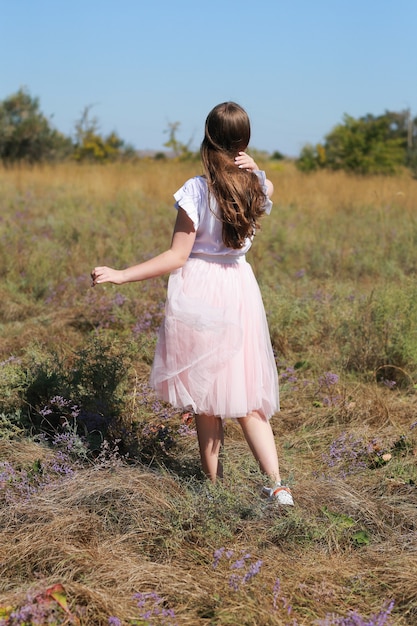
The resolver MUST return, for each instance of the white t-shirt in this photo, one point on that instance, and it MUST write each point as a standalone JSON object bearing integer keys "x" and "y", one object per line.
{"x": 193, "y": 197}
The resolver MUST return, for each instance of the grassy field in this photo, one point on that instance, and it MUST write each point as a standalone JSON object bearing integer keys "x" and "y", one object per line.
{"x": 105, "y": 517}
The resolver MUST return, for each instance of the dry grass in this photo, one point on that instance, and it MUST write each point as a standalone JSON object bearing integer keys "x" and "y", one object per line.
{"x": 152, "y": 179}
{"x": 326, "y": 192}
{"x": 107, "y": 534}
{"x": 113, "y": 529}
{"x": 319, "y": 192}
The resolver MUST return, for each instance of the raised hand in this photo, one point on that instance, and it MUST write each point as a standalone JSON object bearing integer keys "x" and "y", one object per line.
{"x": 245, "y": 162}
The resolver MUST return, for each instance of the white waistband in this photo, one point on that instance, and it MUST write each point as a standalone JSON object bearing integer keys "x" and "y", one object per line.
{"x": 219, "y": 258}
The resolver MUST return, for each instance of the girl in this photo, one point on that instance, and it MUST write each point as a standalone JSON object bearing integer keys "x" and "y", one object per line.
{"x": 214, "y": 351}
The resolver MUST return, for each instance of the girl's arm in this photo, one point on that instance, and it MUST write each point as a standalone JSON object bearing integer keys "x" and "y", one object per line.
{"x": 170, "y": 260}
{"x": 244, "y": 161}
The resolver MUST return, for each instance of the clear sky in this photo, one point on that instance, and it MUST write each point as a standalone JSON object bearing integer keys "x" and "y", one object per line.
{"x": 296, "y": 65}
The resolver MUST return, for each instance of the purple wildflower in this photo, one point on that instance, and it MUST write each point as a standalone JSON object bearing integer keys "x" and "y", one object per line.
{"x": 185, "y": 431}
{"x": 119, "y": 299}
{"x": 354, "y": 619}
{"x": 276, "y": 591}
{"x": 328, "y": 379}
{"x": 278, "y": 597}
{"x": 253, "y": 570}
{"x": 217, "y": 556}
{"x": 345, "y": 448}
{"x": 331, "y": 400}
{"x": 321, "y": 296}
{"x": 152, "y": 606}
{"x": 234, "y": 582}
{"x": 325, "y": 384}
{"x": 240, "y": 562}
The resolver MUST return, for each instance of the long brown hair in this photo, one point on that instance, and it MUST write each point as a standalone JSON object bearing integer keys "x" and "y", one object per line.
{"x": 238, "y": 192}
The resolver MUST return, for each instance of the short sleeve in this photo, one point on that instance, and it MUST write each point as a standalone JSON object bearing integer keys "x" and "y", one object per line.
{"x": 262, "y": 179}
{"x": 188, "y": 197}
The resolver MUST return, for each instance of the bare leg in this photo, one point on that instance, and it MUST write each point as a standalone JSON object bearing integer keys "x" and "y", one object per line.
{"x": 258, "y": 433}
{"x": 210, "y": 441}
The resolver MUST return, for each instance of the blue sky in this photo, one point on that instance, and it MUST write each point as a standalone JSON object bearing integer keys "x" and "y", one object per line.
{"x": 296, "y": 65}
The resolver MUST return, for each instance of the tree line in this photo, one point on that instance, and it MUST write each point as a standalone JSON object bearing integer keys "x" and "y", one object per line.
{"x": 371, "y": 144}
{"x": 27, "y": 135}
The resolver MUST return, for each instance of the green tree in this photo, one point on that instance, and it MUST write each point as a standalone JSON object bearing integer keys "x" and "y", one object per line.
{"x": 180, "y": 150}
{"x": 277, "y": 156}
{"x": 411, "y": 130}
{"x": 308, "y": 159}
{"x": 26, "y": 134}
{"x": 368, "y": 145}
{"x": 90, "y": 145}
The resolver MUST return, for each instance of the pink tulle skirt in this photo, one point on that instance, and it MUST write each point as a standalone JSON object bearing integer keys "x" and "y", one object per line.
{"x": 214, "y": 351}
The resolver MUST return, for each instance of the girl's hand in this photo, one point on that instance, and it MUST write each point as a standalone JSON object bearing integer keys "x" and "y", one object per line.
{"x": 106, "y": 275}
{"x": 245, "y": 162}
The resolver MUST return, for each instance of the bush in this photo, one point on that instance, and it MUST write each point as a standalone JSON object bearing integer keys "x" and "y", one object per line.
{"x": 26, "y": 134}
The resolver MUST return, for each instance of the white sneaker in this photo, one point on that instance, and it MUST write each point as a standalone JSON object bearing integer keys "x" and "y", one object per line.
{"x": 280, "y": 494}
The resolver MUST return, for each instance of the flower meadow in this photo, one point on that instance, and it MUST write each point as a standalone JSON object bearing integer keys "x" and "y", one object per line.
{"x": 105, "y": 516}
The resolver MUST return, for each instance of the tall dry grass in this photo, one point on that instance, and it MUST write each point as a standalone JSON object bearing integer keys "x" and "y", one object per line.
{"x": 335, "y": 262}
{"x": 319, "y": 191}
